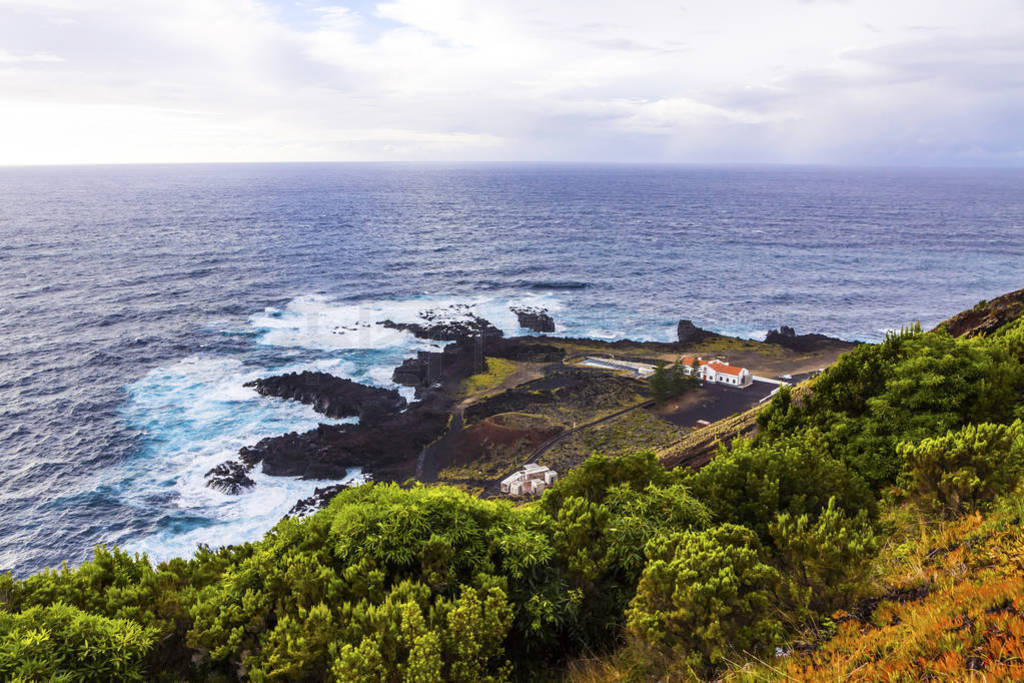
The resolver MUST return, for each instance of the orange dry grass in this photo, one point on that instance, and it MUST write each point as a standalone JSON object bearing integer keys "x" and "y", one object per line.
{"x": 970, "y": 626}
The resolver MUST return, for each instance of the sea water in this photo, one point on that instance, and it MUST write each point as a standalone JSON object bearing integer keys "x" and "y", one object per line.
{"x": 135, "y": 302}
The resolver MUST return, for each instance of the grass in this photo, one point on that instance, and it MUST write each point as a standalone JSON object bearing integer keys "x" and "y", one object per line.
{"x": 952, "y": 607}
{"x": 636, "y": 430}
{"x": 498, "y": 370}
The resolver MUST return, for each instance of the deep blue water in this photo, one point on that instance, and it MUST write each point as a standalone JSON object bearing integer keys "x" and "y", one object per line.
{"x": 135, "y": 301}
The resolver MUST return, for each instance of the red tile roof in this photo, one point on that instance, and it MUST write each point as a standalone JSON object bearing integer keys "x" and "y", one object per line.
{"x": 717, "y": 366}
{"x": 723, "y": 368}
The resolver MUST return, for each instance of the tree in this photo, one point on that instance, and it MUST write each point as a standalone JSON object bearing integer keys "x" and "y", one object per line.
{"x": 659, "y": 383}
{"x": 678, "y": 381}
{"x": 704, "y": 594}
{"x": 824, "y": 562}
{"x": 963, "y": 470}
{"x": 750, "y": 483}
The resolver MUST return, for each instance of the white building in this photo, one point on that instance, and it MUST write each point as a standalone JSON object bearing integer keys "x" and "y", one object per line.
{"x": 719, "y": 372}
{"x": 529, "y": 481}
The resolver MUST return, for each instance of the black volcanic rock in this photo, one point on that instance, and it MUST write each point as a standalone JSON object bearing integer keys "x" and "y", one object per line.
{"x": 526, "y": 351}
{"x": 231, "y": 477}
{"x": 535, "y": 319}
{"x": 787, "y": 337}
{"x": 387, "y": 447}
{"x": 688, "y": 333}
{"x": 330, "y": 395}
{"x": 319, "y": 500}
{"x": 467, "y": 328}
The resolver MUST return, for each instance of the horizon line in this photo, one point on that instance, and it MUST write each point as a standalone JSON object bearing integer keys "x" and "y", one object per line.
{"x": 440, "y": 162}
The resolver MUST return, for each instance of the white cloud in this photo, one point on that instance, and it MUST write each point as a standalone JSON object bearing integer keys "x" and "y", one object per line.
{"x": 8, "y": 58}
{"x": 860, "y": 81}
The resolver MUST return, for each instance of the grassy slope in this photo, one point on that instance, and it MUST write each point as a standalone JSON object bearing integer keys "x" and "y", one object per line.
{"x": 952, "y": 607}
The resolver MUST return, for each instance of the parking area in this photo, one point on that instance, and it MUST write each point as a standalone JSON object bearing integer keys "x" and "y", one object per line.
{"x": 711, "y": 403}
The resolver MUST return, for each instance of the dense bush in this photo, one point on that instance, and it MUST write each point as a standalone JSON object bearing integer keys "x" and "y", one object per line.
{"x": 824, "y": 563}
{"x": 62, "y": 643}
{"x": 963, "y": 470}
{"x": 750, "y": 483}
{"x": 705, "y": 595}
{"x": 383, "y": 569}
{"x": 910, "y": 387}
{"x": 604, "y": 513}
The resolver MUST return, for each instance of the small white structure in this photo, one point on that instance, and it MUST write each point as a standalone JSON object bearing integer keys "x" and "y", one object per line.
{"x": 718, "y": 372}
{"x": 641, "y": 370}
{"x": 529, "y": 481}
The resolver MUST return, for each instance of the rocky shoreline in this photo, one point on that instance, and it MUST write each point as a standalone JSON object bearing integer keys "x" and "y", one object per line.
{"x": 330, "y": 395}
{"x": 391, "y": 435}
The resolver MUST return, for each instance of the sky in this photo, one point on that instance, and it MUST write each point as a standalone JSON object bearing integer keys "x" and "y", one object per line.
{"x": 854, "y": 82}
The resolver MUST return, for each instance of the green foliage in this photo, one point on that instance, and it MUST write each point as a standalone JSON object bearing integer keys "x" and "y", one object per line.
{"x": 667, "y": 382}
{"x": 63, "y": 643}
{"x": 910, "y": 387}
{"x": 705, "y": 594}
{"x": 498, "y": 370}
{"x": 604, "y": 513}
{"x": 824, "y": 563}
{"x": 593, "y": 479}
{"x": 385, "y": 581}
{"x": 963, "y": 470}
{"x": 750, "y": 483}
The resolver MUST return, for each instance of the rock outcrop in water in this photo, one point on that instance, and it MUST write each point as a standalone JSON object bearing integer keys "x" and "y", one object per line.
{"x": 688, "y": 333}
{"x": 455, "y": 324}
{"x": 388, "y": 447}
{"x": 535, "y": 319}
{"x": 231, "y": 477}
{"x": 332, "y": 396}
{"x": 320, "y": 498}
{"x": 787, "y": 337}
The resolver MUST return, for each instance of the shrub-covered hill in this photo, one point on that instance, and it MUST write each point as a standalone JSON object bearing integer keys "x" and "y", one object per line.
{"x": 822, "y": 546}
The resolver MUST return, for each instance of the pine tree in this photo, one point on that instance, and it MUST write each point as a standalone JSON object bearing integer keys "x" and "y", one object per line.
{"x": 659, "y": 383}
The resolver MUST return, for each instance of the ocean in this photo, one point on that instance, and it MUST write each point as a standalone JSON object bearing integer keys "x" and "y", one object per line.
{"x": 135, "y": 301}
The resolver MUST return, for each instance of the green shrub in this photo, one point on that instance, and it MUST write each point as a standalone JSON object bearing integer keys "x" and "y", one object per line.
{"x": 963, "y": 470}
{"x": 750, "y": 483}
{"x": 599, "y": 473}
{"x": 705, "y": 595}
{"x": 344, "y": 589}
{"x": 913, "y": 386}
{"x": 63, "y": 643}
{"x": 824, "y": 563}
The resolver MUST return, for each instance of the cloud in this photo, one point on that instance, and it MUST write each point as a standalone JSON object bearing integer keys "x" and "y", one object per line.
{"x": 38, "y": 58}
{"x": 862, "y": 81}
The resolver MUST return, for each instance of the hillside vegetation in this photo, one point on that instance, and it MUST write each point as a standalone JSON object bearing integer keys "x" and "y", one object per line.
{"x": 867, "y": 530}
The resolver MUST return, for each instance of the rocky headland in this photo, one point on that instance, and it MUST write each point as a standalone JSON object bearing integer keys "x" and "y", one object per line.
{"x": 986, "y": 316}
{"x": 332, "y": 396}
{"x": 393, "y": 437}
{"x": 787, "y": 337}
{"x": 535, "y": 319}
